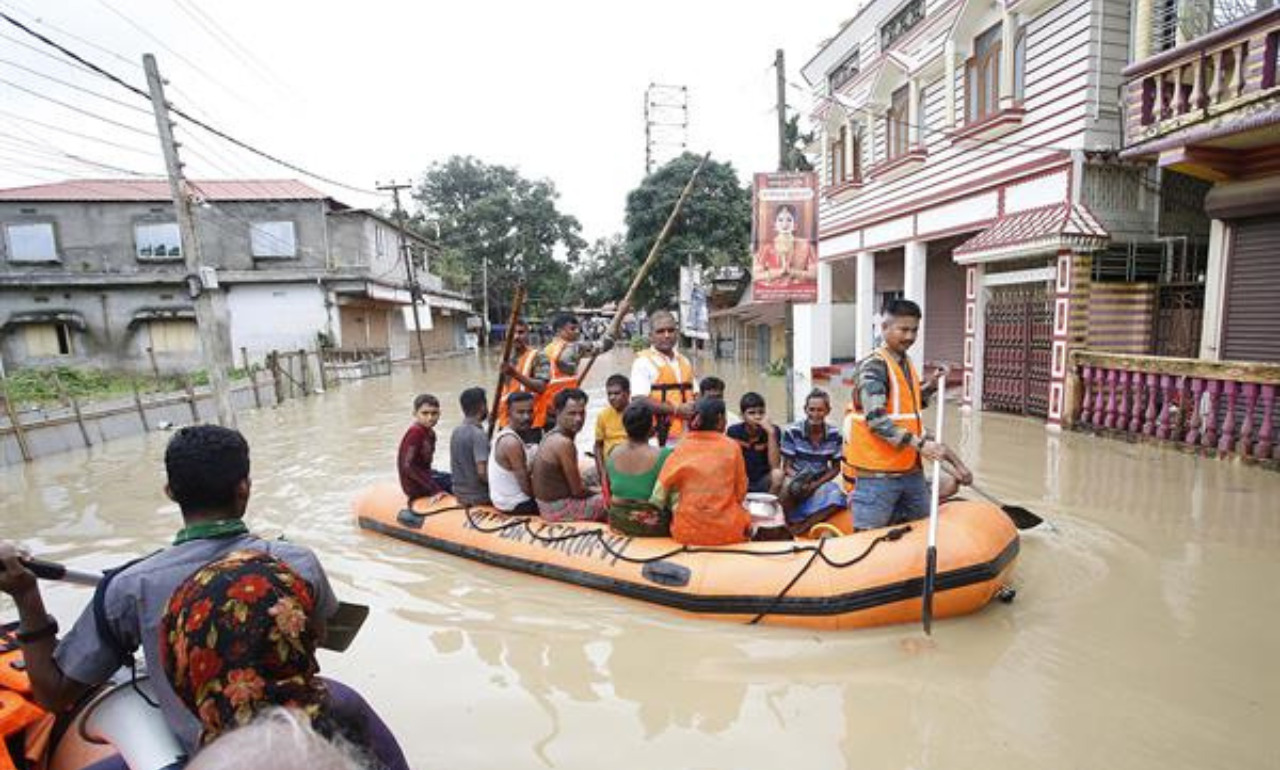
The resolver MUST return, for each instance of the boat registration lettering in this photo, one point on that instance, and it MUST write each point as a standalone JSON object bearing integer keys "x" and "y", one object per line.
{"x": 605, "y": 546}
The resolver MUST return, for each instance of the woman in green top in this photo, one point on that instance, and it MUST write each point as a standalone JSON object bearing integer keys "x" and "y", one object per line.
{"x": 633, "y": 469}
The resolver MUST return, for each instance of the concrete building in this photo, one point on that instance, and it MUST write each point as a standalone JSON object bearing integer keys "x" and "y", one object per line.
{"x": 970, "y": 162}
{"x": 91, "y": 273}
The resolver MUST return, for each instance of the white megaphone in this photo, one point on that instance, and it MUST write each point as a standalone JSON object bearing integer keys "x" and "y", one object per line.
{"x": 123, "y": 717}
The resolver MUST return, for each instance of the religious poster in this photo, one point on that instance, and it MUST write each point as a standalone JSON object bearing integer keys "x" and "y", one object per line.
{"x": 784, "y": 237}
{"x": 694, "y": 318}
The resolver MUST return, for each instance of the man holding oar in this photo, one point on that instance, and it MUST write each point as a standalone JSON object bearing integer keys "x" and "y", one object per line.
{"x": 884, "y": 433}
{"x": 665, "y": 378}
{"x": 208, "y": 477}
{"x": 519, "y": 376}
{"x": 558, "y": 364}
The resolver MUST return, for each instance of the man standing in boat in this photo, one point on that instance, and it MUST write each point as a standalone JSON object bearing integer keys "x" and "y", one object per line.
{"x": 520, "y": 375}
{"x": 884, "y": 433}
{"x": 558, "y": 364}
{"x": 665, "y": 378}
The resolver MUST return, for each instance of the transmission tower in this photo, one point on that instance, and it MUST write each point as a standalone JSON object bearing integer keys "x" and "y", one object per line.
{"x": 666, "y": 124}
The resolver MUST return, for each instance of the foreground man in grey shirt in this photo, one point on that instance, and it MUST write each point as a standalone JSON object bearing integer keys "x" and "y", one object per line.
{"x": 208, "y": 476}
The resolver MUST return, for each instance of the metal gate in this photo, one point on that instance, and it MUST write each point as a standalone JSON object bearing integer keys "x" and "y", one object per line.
{"x": 1018, "y": 349}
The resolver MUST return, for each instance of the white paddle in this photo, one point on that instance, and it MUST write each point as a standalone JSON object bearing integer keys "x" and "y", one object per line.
{"x": 931, "y": 553}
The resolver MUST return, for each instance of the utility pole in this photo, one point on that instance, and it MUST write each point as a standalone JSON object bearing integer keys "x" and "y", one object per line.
{"x": 780, "y": 67}
{"x": 415, "y": 294}
{"x": 210, "y": 300}
{"x": 484, "y": 299}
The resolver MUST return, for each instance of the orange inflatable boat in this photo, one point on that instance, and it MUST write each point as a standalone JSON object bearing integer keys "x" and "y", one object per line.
{"x": 865, "y": 579}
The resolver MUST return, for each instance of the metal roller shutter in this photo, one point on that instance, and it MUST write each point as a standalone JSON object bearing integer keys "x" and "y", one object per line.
{"x": 1251, "y": 327}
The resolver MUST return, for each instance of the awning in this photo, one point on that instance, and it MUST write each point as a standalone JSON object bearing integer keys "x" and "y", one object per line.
{"x": 445, "y": 302}
{"x": 69, "y": 317}
{"x": 1040, "y": 231}
{"x": 162, "y": 314}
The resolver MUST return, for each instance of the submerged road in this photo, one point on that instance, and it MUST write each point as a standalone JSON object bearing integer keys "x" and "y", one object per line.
{"x": 1143, "y": 635}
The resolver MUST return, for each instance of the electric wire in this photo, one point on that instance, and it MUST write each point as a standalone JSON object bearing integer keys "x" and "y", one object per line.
{"x": 82, "y": 89}
{"x": 233, "y": 46}
{"x": 80, "y": 110}
{"x": 78, "y": 134}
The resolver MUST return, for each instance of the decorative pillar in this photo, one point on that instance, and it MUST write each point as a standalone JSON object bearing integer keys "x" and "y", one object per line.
{"x": 974, "y": 317}
{"x": 914, "y": 119}
{"x": 865, "y": 307}
{"x": 1142, "y": 27}
{"x": 1069, "y": 302}
{"x": 1008, "y": 40}
{"x": 949, "y": 81}
{"x": 914, "y": 271}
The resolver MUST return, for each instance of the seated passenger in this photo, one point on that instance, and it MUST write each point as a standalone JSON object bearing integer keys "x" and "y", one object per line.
{"x": 418, "y": 449}
{"x": 704, "y": 481}
{"x": 610, "y": 433}
{"x": 281, "y": 739}
{"x": 711, "y": 387}
{"x": 761, "y": 443}
{"x": 632, "y": 470}
{"x": 811, "y": 462}
{"x": 557, "y": 480}
{"x": 469, "y": 450}
{"x": 510, "y": 487}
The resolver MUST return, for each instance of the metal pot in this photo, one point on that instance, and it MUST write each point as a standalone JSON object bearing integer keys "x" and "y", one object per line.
{"x": 765, "y": 510}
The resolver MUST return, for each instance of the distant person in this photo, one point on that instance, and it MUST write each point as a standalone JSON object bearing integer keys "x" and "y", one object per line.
{"x": 207, "y": 475}
{"x": 610, "y": 432}
{"x": 557, "y": 480}
{"x": 418, "y": 449}
{"x": 510, "y": 487}
{"x": 632, "y": 470}
{"x": 664, "y": 377}
{"x": 704, "y": 481}
{"x": 558, "y": 364}
{"x": 278, "y": 739}
{"x": 469, "y": 450}
{"x": 520, "y": 377}
{"x": 811, "y": 464}
{"x": 885, "y": 437}
{"x": 761, "y": 444}
{"x": 711, "y": 387}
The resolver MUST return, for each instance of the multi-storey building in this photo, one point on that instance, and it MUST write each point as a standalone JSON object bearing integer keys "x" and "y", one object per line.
{"x": 970, "y": 163}
{"x": 92, "y": 273}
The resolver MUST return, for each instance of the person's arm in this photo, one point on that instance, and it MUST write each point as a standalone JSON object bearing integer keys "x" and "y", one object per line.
{"x": 873, "y": 396}
{"x": 775, "y": 448}
{"x": 541, "y": 369}
{"x": 666, "y": 495}
{"x": 958, "y": 469}
{"x": 532, "y": 383}
{"x": 480, "y": 454}
{"x": 787, "y": 450}
{"x": 512, "y": 450}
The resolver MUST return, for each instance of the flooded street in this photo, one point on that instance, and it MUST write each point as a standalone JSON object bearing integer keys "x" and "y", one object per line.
{"x": 1143, "y": 635}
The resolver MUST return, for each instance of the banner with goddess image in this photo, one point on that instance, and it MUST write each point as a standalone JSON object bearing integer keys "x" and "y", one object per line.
{"x": 784, "y": 237}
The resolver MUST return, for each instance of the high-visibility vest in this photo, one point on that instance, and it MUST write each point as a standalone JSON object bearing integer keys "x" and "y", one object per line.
{"x": 864, "y": 450}
{"x": 524, "y": 365}
{"x": 674, "y": 385}
{"x": 560, "y": 380}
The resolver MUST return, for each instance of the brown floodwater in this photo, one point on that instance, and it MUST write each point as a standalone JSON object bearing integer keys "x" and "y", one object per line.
{"x": 1144, "y": 633}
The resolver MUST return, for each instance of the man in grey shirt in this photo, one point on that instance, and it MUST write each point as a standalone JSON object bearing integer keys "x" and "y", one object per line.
{"x": 208, "y": 476}
{"x": 469, "y": 450}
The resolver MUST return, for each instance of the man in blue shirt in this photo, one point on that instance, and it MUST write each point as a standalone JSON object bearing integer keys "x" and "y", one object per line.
{"x": 811, "y": 462}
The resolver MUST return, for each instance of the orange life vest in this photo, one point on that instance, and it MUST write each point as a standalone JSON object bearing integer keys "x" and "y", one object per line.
{"x": 524, "y": 365}
{"x": 865, "y": 451}
{"x": 17, "y": 713}
{"x": 560, "y": 380}
{"x": 674, "y": 384}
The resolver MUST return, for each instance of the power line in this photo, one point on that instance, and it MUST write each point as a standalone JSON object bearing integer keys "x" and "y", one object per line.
{"x": 89, "y": 137}
{"x": 71, "y": 35}
{"x": 229, "y": 43}
{"x": 175, "y": 110}
{"x": 74, "y": 108}
{"x": 82, "y": 89}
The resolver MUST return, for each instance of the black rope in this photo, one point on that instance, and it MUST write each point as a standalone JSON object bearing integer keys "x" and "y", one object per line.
{"x": 796, "y": 579}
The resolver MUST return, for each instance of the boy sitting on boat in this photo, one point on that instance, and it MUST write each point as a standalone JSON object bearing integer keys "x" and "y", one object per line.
{"x": 417, "y": 449}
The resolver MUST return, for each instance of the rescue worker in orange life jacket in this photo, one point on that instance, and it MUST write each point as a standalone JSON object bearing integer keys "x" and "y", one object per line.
{"x": 520, "y": 379}
{"x": 558, "y": 364}
{"x": 665, "y": 377}
{"x": 884, "y": 432}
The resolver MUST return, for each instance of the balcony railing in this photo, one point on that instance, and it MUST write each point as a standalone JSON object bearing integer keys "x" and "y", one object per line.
{"x": 1218, "y": 73}
{"x": 1214, "y": 408}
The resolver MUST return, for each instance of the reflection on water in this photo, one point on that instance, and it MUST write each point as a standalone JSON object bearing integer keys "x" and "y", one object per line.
{"x": 1142, "y": 635}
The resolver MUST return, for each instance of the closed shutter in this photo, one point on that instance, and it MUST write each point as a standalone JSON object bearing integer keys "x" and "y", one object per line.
{"x": 1251, "y": 329}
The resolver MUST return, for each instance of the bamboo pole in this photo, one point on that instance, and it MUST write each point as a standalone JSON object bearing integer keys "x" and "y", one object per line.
{"x": 75, "y": 409}
{"x": 155, "y": 368}
{"x": 305, "y": 372}
{"x": 142, "y": 413}
{"x": 18, "y": 431}
{"x": 507, "y": 343}
{"x": 273, "y": 359}
{"x": 648, "y": 263}
{"x": 191, "y": 399}
{"x": 253, "y": 378}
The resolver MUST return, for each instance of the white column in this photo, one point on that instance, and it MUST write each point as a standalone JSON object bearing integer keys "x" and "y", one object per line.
{"x": 1215, "y": 279}
{"x": 949, "y": 84}
{"x": 915, "y": 255}
{"x": 811, "y": 343}
{"x": 1008, "y": 39}
{"x": 865, "y": 304}
{"x": 914, "y": 118}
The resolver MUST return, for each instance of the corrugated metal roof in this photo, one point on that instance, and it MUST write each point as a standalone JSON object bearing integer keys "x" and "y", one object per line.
{"x": 156, "y": 190}
{"x": 1036, "y": 231}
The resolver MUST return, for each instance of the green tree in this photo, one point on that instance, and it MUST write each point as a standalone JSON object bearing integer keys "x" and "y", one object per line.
{"x": 796, "y": 142}
{"x": 599, "y": 276}
{"x": 492, "y": 211}
{"x": 714, "y": 226}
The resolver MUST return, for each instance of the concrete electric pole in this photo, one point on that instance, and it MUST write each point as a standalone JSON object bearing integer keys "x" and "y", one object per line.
{"x": 780, "y": 66}
{"x": 415, "y": 294}
{"x": 210, "y": 300}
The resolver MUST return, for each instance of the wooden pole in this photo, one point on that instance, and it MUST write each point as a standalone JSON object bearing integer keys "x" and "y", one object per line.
{"x": 155, "y": 369}
{"x": 304, "y": 373}
{"x": 648, "y": 263}
{"x": 273, "y": 360}
{"x": 191, "y": 399}
{"x": 23, "y": 446}
{"x": 507, "y": 343}
{"x": 253, "y": 378}
{"x": 75, "y": 409}
{"x": 142, "y": 413}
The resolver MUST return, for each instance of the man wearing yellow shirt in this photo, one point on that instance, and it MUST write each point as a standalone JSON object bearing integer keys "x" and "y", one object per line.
{"x": 610, "y": 432}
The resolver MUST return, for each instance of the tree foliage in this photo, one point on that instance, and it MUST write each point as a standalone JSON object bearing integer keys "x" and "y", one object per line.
{"x": 492, "y": 211}
{"x": 714, "y": 226}
{"x": 600, "y": 275}
{"x": 796, "y": 142}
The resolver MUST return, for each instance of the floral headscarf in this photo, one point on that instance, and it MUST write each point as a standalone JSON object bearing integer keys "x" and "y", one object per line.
{"x": 236, "y": 639}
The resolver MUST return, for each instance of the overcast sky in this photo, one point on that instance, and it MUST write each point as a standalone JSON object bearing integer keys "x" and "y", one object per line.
{"x": 365, "y": 92}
